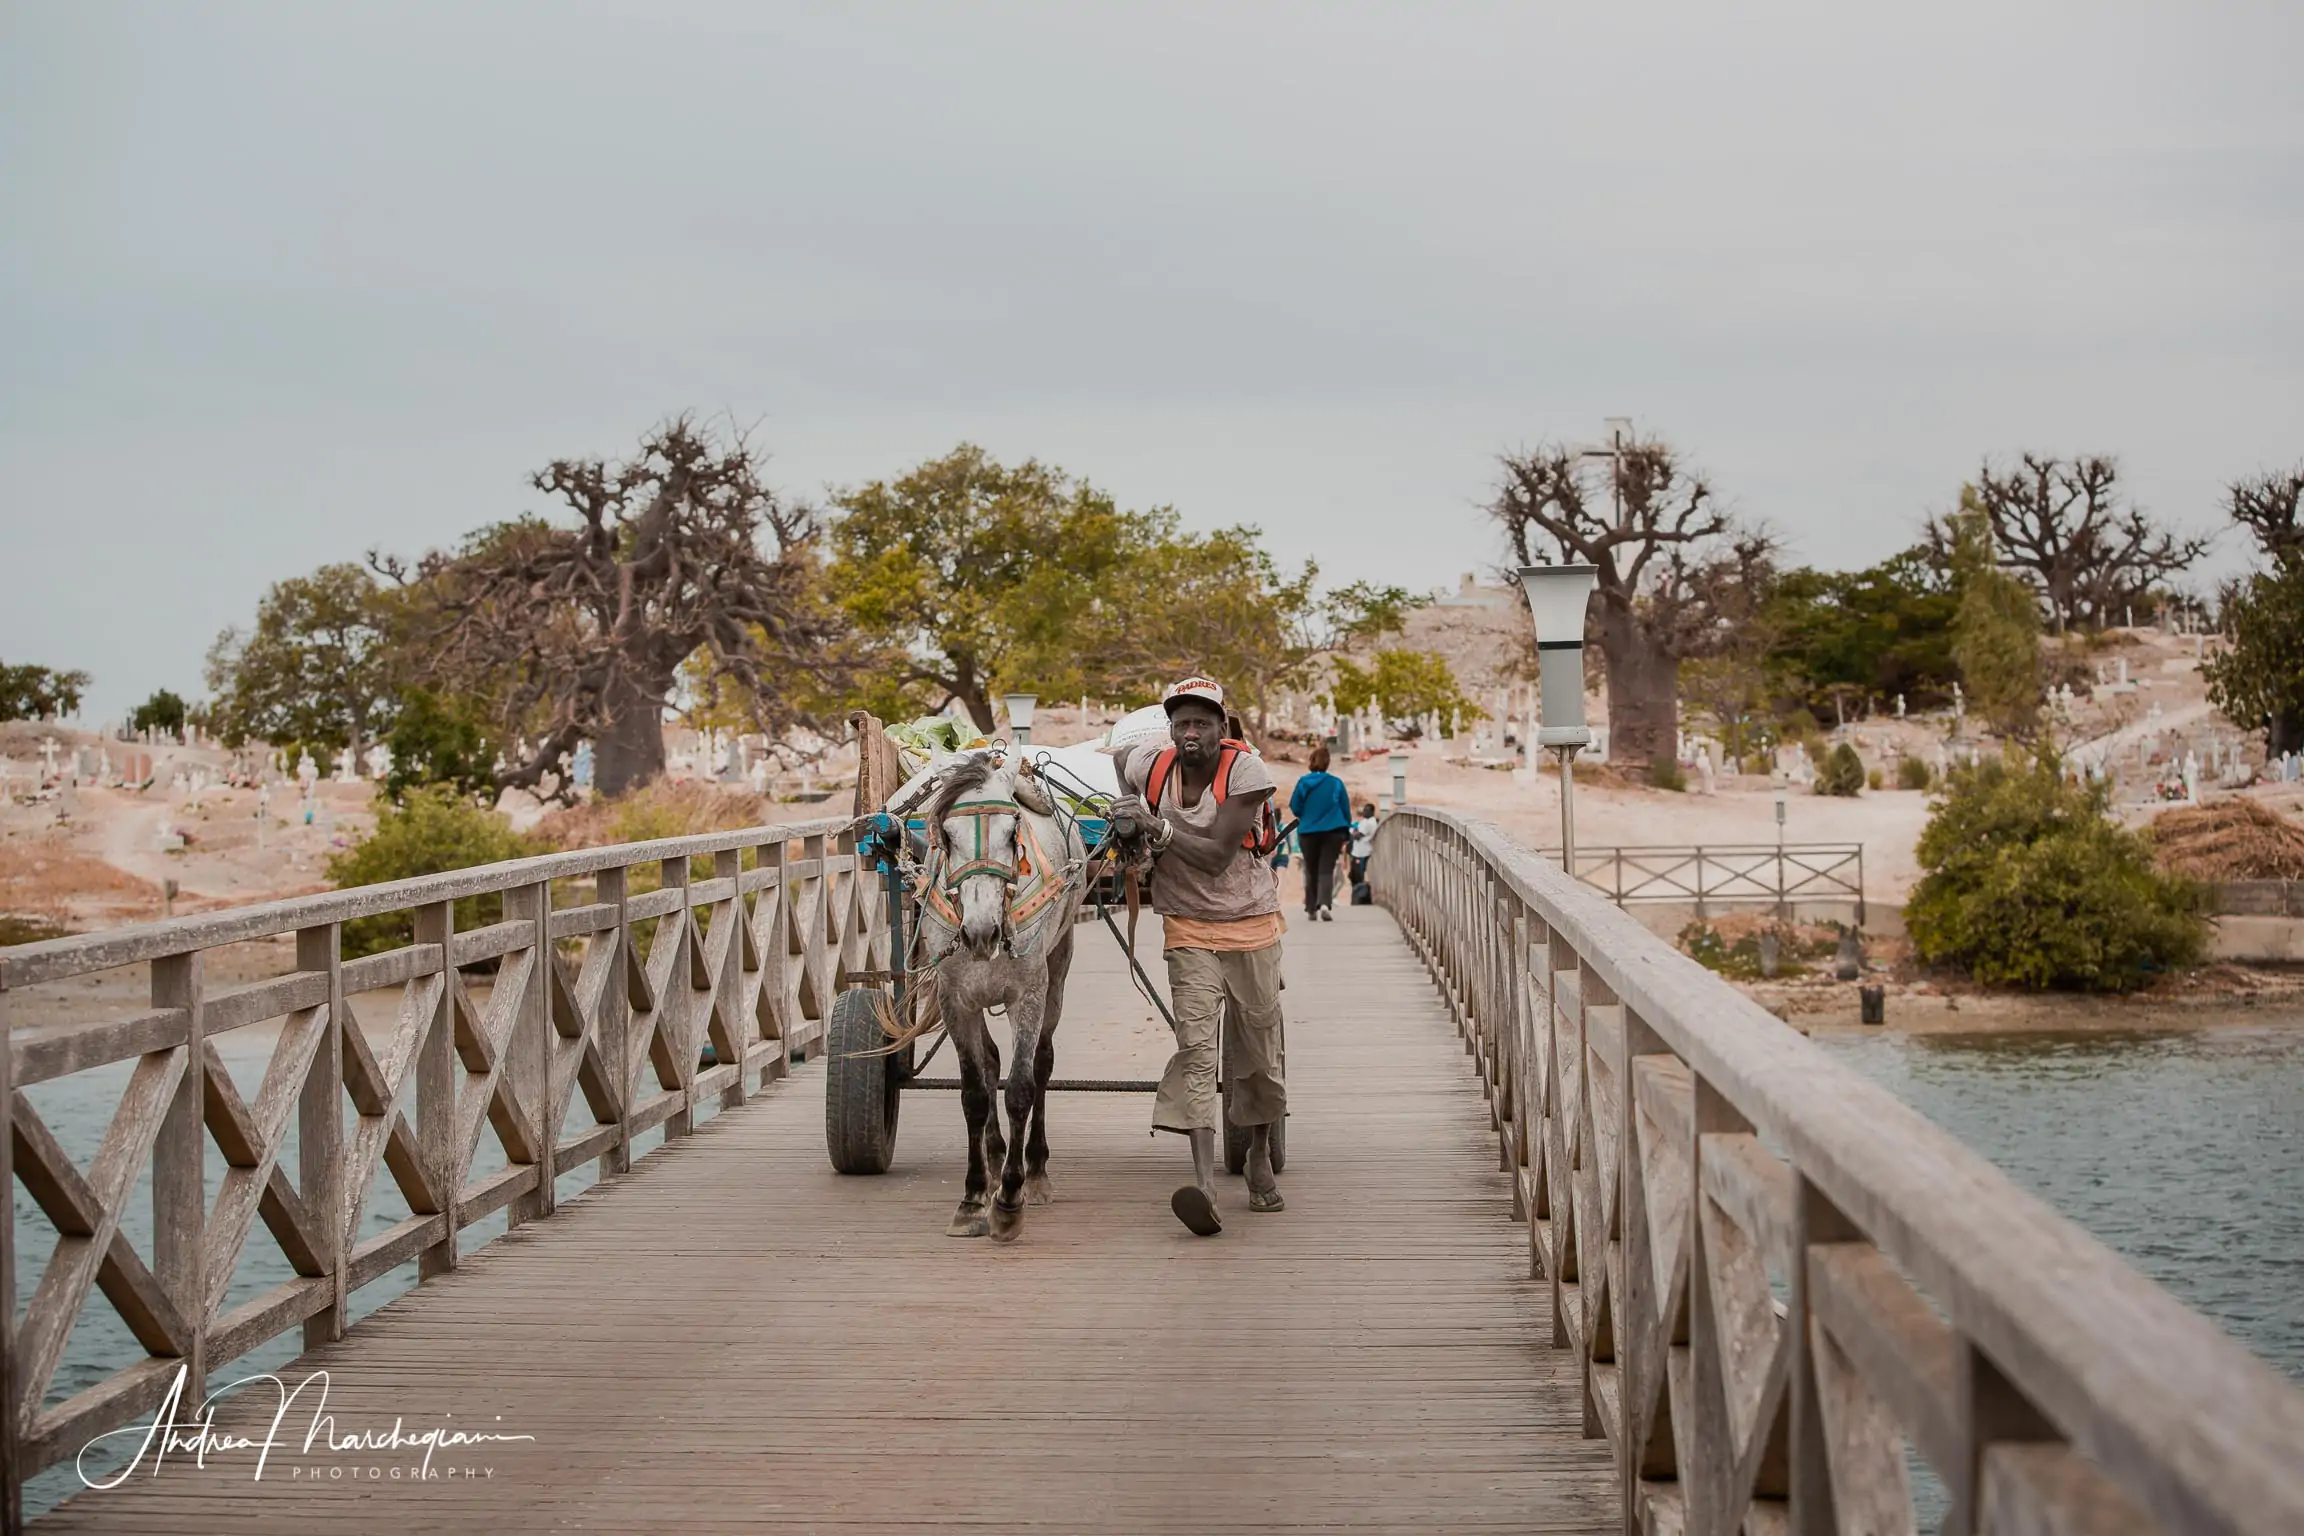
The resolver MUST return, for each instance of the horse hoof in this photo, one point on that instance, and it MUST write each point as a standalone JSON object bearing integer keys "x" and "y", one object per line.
{"x": 968, "y": 1221}
{"x": 1038, "y": 1191}
{"x": 1007, "y": 1222}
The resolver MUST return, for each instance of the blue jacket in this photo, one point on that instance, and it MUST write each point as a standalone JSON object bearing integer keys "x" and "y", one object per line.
{"x": 1320, "y": 804}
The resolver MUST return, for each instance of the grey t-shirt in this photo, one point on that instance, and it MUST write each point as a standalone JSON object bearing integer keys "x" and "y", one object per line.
{"x": 1247, "y": 886}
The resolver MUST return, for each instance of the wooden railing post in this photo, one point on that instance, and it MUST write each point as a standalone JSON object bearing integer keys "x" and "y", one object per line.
{"x": 1815, "y": 1220}
{"x": 436, "y": 1090}
{"x": 673, "y": 1002}
{"x": 179, "y": 1171}
{"x": 528, "y": 1067}
{"x": 616, "y": 1021}
{"x": 733, "y": 1021}
{"x": 320, "y": 1132}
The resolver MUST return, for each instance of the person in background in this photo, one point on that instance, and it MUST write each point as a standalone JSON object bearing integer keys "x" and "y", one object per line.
{"x": 1363, "y": 841}
{"x": 1323, "y": 812}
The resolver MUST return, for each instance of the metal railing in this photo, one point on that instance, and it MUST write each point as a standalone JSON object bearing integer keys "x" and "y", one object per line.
{"x": 610, "y": 996}
{"x": 1684, "y": 1160}
{"x": 1724, "y": 874}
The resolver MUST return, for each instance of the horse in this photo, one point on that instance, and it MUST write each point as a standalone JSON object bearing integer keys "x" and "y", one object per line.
{"x": 1002, "y": 887}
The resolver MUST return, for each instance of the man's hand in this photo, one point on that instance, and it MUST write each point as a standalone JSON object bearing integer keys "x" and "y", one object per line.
{"x": 1129, "y": 815}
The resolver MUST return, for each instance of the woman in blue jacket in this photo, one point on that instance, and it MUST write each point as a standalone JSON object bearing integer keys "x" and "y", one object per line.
{"x": 1323, "y": 813}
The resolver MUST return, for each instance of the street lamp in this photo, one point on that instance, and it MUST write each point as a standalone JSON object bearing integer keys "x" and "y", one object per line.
{"x": 1557, "y": 598}
{"x": 1780, "y": 790}
{"x": 1399, "y": 777}
{"x": 1020, "y": 707}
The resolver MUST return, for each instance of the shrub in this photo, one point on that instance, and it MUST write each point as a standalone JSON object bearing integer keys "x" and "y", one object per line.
{"x": 1841, "y": 772}
{"x": 2030, "y": 883}
{"x": 1875, "y": 779}
{"x": 432, "y": 830}
{"x": 1914, "y": 773}
{"x": 1665, "y": 772}
{"x": 440, "y": 741}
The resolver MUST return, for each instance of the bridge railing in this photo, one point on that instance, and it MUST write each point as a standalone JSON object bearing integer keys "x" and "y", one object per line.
{"x": 612, "y": 970}
{"x": 1724, "y": 874}
{"x": 1777, "y": 1276}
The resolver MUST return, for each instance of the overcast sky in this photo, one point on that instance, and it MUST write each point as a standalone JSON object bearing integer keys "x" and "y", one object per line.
{"x": 281, "y": 283}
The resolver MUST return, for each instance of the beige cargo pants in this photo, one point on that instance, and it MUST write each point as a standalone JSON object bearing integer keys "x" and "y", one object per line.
{"x": 1199, "y": 980}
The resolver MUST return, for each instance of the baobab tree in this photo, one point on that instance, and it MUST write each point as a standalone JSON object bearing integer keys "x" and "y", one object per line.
{"x": 2060, "y": 524}
{"x": 1676, "y": 569}
{"x": 579, "y": 632}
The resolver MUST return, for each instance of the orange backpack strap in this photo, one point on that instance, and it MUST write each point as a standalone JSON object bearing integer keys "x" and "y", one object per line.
{"x": 1260, "y": 840}
{"x": 1156, "y": 781}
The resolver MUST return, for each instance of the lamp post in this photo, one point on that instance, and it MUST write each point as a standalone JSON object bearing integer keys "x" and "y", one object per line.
{"x": 1399, "y": 777}
{"x": 1780, "y": 791}
{"x": 1020, "y": 707}
{"x": 1557, "y": 598}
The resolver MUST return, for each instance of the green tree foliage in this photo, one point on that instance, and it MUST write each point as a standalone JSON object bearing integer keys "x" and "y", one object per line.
{"x": 1874, "y": 633}
{"x": 1996, "y": 629}
{"x": 39, "y": 693}
{"x": 1213, "y": 603}
{"x": 2259, "y": 680}
{"x": 441, "y": 741}
{"x": 317, "y": 667}
{"x": 1362, "y": 612}
{"x": 967, "y": 578}
{"x": 1840, "y": 772}
{"x": 1403, "y": 685}
{"x": 431, "y": 830}
{"x": 2029, "y": 882}
{"x": 161, "y": 712}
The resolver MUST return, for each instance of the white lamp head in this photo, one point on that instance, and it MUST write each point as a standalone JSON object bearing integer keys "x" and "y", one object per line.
{"x": 1020, "y": 707}
{"x": 1557, "y": 598}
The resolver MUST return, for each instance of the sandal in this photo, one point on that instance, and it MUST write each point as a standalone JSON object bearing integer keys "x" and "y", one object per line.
{"x": 1193, "y": 1208}
{"x": 1262, "y": 1200}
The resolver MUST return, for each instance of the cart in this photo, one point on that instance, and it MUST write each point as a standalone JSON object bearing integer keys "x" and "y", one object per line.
{"x": 864, "y": 1082}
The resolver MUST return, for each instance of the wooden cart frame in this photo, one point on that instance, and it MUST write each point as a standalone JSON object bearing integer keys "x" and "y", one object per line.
{"x": 864, "y": 1082}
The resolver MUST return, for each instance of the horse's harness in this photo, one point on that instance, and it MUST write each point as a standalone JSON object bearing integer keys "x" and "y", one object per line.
{"x": 1035, "y": 881}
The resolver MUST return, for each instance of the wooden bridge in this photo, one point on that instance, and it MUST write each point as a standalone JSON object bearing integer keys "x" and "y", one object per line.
{"x": 1578, "y": 1239}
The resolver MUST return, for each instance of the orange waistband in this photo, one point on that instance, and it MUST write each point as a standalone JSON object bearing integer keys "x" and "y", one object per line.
{"x": 1259, "y": 932}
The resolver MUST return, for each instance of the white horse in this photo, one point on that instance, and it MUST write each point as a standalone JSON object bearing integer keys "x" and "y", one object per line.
{"x": 1002, "y": 887}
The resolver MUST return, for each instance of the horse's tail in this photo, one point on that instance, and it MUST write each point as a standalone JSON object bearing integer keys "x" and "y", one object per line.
{"x": 927, "y": 1018}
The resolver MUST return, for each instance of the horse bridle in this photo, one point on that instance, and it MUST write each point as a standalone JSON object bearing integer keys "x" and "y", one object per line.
{"x": 980, "y": 862}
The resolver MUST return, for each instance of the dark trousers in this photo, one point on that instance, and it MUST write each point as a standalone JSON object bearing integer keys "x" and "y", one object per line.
{"x": 1320, "y": 850}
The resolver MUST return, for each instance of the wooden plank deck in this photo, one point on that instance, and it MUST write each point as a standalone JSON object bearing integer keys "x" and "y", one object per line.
{"x": 735, "y": 1337}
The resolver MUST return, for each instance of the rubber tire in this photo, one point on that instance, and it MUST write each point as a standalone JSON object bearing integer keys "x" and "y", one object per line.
{"x": 861, "y": 1093}
{"x": 1236, "y": 1147}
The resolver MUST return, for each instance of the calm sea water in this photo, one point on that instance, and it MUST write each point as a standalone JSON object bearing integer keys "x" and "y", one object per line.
{"x": 2183, "y": 1151}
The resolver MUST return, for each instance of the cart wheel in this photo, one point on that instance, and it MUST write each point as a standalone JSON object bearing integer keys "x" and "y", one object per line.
{"x": 860, "y": 1092}
{"x": 1236, "y": 1146}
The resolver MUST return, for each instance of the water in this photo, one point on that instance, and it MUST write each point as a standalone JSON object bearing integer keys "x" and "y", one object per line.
{"x": 2183, "y": 1151}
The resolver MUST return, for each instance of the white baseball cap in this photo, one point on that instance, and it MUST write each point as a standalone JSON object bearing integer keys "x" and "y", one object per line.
{"x": 1204, "y": 689}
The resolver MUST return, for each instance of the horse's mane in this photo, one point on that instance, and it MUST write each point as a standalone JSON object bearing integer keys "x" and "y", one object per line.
{"x": 967, "y": 774}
